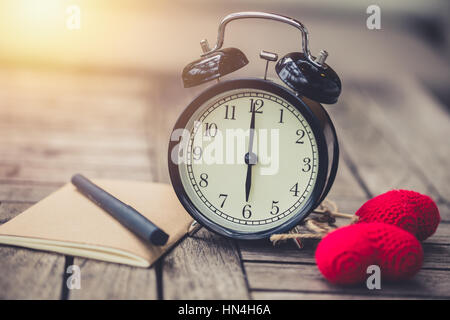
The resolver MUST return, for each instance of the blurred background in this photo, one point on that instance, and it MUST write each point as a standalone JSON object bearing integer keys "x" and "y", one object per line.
{"x": 162, "y": 36}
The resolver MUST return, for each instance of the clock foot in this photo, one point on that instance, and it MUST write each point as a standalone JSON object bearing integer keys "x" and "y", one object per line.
{"x": 194, "y": 228}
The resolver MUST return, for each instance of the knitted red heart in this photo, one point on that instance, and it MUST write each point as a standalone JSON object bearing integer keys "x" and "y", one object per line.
{"x": 409, "y": 210}
{"x": 344, "y": 254}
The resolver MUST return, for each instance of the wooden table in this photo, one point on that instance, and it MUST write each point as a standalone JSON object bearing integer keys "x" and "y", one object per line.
{"x": 54, "y": 123}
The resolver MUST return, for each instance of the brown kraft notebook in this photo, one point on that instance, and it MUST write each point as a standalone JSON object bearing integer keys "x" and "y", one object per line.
{"x": 67, "y": 222}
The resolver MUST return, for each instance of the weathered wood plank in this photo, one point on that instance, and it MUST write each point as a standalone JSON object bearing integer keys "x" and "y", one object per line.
{"x": 441, "y": 236}
{"x": 436, "y": 256}
{"x": 27, "y": 192}
{"x": 57, "y": 126}
{"x": 42, "y": 83}
{"x": 73, "y": 124}
{"x": 10, "y": 210}
{"x": 378, "y": 156}
{"x": 377, "y": 160}
{"x": 427, "y": 283}
{"x": 103, "y": 280}
{"x": 73, "y": 102}
{"x": 418, "y": 124}
{"x": 83, "y": 140}
{"x": 190, "y": 268}
{"x": 285, "y": 295}
{"x": 60, "y": 175}
{"x": 161, "y": 117}
{"x": 346, "y": 190}
{"x": 33, "y": 119}
{"x": 27, "y": 274}
{"x": 205, "y": 266}
{"x": 286, "y": 252}
{"x": 50, "y": 157}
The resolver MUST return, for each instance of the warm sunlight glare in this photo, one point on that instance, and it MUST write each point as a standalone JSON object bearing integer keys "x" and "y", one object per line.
{"x": 32, "y": 29}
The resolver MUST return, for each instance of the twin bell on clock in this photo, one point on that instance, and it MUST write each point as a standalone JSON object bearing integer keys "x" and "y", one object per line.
{"x": 240, "y": 199}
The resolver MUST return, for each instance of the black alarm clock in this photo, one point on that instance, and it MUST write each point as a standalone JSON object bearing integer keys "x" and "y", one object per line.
{"x": 249, "y": 158}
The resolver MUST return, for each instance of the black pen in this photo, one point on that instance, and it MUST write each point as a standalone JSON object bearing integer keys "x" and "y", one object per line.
{"x": 125, "y": 214}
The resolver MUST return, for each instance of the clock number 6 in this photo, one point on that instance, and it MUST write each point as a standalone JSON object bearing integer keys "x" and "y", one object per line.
{"x": 246, "y": 213}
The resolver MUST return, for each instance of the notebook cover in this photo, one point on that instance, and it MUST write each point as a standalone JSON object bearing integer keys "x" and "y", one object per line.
{"x": 67, "y": 222}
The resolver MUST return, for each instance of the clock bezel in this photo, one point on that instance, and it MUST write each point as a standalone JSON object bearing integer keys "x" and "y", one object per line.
{"x": 297, "y": 103}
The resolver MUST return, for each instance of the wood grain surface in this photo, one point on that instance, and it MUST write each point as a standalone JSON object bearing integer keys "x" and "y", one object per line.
{"x": 54, "y": 124}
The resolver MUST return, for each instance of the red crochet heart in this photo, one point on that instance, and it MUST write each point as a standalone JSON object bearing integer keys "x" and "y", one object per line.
{"x": 409, "y": 210}
{"x": 344, "y": 255}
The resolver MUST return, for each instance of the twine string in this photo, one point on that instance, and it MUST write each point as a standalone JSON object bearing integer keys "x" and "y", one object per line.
{"x": 317, "y": 227}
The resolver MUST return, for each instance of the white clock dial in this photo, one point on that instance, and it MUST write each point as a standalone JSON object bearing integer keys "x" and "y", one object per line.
{"x": 215, "y": 174}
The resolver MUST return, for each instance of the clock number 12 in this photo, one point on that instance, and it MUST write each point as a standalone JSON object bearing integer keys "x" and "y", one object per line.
{"x": 256, "y": 105}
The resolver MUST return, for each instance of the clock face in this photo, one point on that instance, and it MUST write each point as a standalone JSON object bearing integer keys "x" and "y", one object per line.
{"x": 248, "y": 161}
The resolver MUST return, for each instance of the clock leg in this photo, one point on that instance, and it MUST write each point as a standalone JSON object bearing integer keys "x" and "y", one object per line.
{"x": 194, "y": 228}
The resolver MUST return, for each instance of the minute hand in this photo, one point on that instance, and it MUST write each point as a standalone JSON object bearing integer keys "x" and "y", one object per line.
{"x": 250, "y": 159}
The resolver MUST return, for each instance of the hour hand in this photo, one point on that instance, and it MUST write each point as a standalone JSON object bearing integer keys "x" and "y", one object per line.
{"x": 250, "y": 160}
{"x": 248, "y": 182}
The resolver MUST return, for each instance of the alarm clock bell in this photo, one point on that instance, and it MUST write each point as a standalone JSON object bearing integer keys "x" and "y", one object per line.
{"x": 316, "y": 81}
{"x": 213, "y": 66}
{"x": 300, "y": 71}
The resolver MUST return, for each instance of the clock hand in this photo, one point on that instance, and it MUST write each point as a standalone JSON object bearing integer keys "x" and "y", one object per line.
{"x": 248, "y": 182}
{"x": 252, "y": 131}
{"x": 250, "y": 157}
